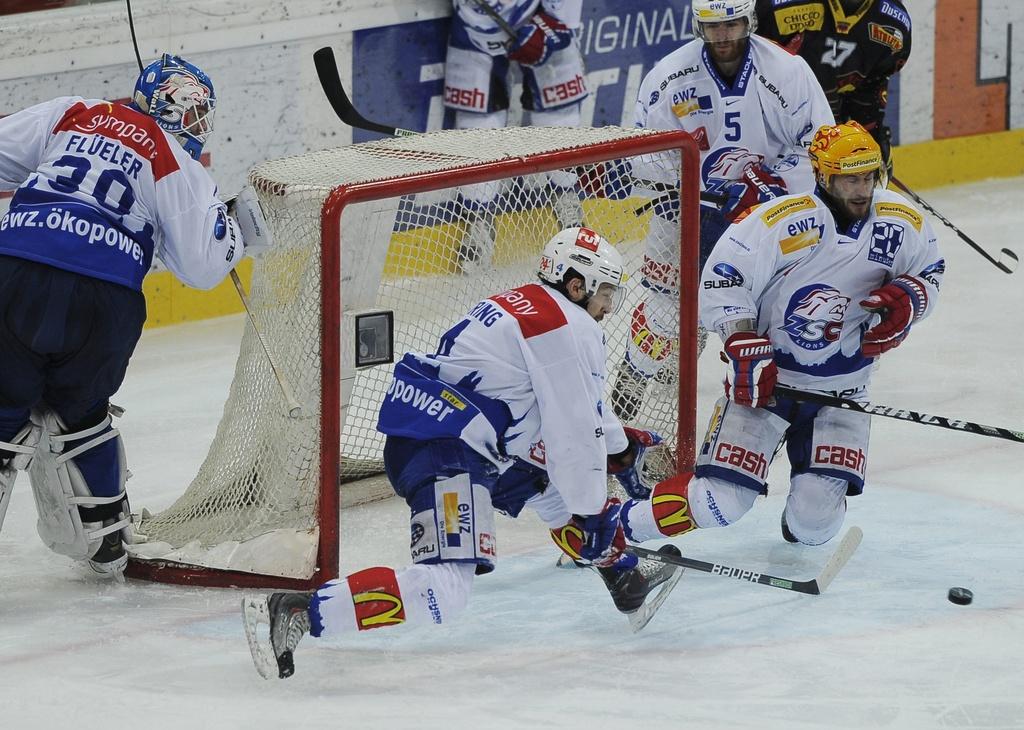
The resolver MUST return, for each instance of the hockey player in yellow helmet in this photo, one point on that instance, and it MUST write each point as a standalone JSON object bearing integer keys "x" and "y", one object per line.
{"x": 847, "y": 163}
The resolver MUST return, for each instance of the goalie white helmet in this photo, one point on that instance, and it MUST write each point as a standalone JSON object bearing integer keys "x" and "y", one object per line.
{"x": 583, "y": 252}
{"x": 720, "y": 11}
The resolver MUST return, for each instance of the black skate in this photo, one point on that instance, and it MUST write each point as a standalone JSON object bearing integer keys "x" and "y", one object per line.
{"x": 110, "y": 557}
{"x": 630, "y": 588}
{"x": 786, "y": 534}
{"x": 287, "y": 618}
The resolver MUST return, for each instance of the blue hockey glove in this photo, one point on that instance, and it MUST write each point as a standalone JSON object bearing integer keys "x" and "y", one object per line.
{"x": 626, "y": 466}
{"x": 604, "y": 541}
{"x": 535, "y": 41}
{"x": 757, "y": 185}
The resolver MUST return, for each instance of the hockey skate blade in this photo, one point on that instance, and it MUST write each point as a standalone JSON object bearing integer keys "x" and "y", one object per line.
{"x": 567, "y": 563}
{"x": 643, "y": 615}
{"x": 254, "y": 613}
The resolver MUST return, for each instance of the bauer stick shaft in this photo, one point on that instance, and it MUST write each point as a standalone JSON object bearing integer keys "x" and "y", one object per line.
{"x": 847, "y": 546}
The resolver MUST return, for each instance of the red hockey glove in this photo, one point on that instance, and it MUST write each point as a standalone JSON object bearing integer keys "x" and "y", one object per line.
{"x": 752, "y": 373}
{"x": 757, "y": 185}
{"x": 538, "y": 39}
{"x": 603, "y": 539}
{"x": 900, "y": 302}
{"x": 626, "y": 466}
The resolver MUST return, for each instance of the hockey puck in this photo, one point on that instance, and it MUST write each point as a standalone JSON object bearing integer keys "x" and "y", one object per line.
{"x": 960, "y": 596}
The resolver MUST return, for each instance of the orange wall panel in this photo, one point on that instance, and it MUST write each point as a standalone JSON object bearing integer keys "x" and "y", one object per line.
{"x": 963, "y": 105}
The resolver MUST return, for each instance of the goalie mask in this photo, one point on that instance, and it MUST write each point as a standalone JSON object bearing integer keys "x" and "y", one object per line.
{"x": 584, "y": 253}
{"x": 181, "y": 99}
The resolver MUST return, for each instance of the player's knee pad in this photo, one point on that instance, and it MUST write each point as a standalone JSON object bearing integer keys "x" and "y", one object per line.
{"x": 453, "y": 522}
{"x": 815, "y": 507}
{"x": 78, "y": 482}
{"x": 739, "y": 445}
{"x": 481, "y": 120}
{"x": 435, "y": 594}
{"x": 718, "y": 502}
{"x": 666, "y": 513}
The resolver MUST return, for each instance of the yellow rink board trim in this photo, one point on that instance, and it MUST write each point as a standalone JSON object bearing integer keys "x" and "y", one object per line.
{"x": 432, "y": 250}
{"x": 960, "y": 159}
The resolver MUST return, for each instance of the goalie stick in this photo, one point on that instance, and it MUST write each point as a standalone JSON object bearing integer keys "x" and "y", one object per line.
{"x": 901, "y": 414}
{"x": 816, "y": 586}
{"x": 294, "y": 409}
{"x": 1006, "y": 253}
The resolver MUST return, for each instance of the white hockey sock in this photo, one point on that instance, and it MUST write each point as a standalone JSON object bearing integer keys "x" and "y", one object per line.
{"x": 426, "y": 594}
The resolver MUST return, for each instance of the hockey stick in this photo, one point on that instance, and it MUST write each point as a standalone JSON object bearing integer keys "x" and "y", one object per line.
{"x": 707, "y": 197}
{"x": 816, "y": 586}
{"x": 901, "y": 414}
{"x": 1006, "y": 253}
{"x": 496, "y": 17}
{"x": 330, "y": 80}
{"x": 294, "y": 409}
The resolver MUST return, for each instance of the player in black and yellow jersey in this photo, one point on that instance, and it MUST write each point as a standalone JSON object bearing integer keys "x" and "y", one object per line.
{"x": 853, "y": 46}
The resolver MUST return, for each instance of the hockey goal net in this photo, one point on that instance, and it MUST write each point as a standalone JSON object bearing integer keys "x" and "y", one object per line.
{"x": 422, "y": 227}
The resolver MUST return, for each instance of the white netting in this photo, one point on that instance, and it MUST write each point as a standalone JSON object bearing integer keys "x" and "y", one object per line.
{"x": 426, "y": 256}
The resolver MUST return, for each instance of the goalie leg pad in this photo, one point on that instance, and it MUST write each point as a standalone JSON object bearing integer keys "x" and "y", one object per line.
{"x": 78, "y": 483}
{"x": 15, "y": 454}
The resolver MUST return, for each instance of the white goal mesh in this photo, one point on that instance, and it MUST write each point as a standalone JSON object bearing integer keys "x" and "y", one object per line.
{"x": 426, "y": 226}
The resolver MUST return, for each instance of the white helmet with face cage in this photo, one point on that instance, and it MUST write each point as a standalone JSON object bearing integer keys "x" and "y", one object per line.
{"x": 583, "y": 252}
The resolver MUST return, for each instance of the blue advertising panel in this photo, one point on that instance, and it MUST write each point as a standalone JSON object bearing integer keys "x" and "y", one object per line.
{"x": 398, "y": 71}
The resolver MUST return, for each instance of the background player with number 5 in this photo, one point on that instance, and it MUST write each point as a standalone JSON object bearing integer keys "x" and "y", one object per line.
{"x": 752, "y": 109}
{"x": 806, "y": 291}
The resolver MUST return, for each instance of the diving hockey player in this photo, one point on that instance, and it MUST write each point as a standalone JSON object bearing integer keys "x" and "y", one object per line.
{"x": 506, "y": 413}
{"x": 807, "y": 291}
{"x": 100, "y": 189}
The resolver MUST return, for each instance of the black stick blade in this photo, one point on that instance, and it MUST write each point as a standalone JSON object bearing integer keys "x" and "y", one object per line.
{"x": 330, "y": 80}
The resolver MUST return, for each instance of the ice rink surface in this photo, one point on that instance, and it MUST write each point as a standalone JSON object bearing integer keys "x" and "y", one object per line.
{"x": 544, "y": 648}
